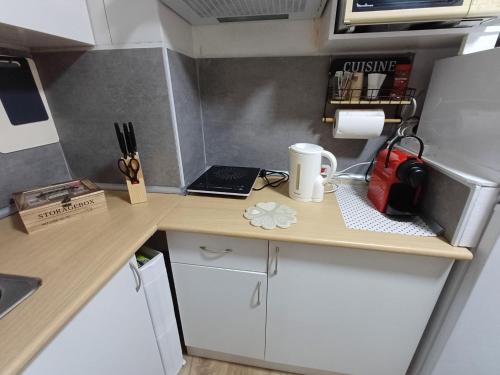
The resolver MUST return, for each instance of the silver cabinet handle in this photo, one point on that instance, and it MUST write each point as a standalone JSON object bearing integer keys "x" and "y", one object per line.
{"x": 277, "y": 252}
{"x": 137, "y": 276}
{"x": 258, "y": 292}
{"x": 216, "y": 251}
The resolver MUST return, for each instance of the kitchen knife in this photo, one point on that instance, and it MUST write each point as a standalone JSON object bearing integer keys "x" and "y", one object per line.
{"x": 132, "y": 138}
{"x": 121, "y": 140}
{"x": 127, "y": 139}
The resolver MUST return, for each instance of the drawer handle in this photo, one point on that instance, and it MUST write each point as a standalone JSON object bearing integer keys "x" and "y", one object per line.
{"x": 216, "y": 251}
{"x": 258, "y": 292}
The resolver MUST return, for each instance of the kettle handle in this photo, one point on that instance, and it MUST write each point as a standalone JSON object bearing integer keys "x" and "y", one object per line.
{"x": 396, "y": 140}
{"x": 333, "y": 161}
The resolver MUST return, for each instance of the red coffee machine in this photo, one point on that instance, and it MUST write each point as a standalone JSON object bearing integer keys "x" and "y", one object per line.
{"x": 397, "y": 180}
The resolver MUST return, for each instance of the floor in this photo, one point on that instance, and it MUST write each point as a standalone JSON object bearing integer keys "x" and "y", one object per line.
{"x": 203, "y": 366}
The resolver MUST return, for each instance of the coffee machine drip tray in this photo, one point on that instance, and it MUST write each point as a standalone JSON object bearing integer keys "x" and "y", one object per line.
{"x": 225, "y": 180}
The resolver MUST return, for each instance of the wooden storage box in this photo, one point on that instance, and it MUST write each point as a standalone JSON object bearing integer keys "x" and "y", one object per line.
{"x": 39, "y": 208}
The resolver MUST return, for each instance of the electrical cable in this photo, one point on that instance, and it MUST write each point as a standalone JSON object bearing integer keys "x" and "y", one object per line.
{"x": 350, "y": 167}
{"x": 264, "y": 174}
{"x": 334, "y": 185}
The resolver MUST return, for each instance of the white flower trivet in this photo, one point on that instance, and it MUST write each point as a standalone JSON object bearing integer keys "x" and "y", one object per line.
{"x": 270, "y": 215}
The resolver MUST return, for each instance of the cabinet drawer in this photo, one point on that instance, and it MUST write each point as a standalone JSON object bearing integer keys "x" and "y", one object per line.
{"x": 218, "y": 251}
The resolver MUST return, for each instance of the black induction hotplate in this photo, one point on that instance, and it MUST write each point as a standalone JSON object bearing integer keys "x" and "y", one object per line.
{"x": 224, "y": 180}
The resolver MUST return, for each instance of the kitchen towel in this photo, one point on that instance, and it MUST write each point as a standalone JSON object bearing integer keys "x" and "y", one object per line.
{"x": 358, "y": 124}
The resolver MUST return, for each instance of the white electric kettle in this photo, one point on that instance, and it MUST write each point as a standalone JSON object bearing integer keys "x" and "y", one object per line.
{"x": 306, "y": 183}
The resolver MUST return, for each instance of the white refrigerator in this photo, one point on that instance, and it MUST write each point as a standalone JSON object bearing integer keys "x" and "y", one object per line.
{"x": 460, "y": 126}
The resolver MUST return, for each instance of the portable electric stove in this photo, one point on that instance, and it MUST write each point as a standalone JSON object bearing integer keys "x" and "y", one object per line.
{"x": 224, "y": 180}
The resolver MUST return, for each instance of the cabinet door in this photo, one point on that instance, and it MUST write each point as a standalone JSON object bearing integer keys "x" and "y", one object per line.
{"x": 347, "y": 310}
{"x": 222, "y": 310}
{"x": 67, "y": 20}
{"x": 112, "y": 334}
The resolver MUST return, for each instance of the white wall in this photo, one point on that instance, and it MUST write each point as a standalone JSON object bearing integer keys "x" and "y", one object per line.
{"x": 99, "y": 22}
{"x": 138, "y": 24}
{"x": 177, "y": 33}
{"x": 257, "y": 38}
{"x": 124, "y": 23}
{"x": 132, "y": 23}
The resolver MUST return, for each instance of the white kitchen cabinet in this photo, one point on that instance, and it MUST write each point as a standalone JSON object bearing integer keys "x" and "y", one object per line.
{"x": 349, "y": 311}
{"x": 48, "y": 23}
{"x": 112, "y": 334}
{"x": 222, "y": 310}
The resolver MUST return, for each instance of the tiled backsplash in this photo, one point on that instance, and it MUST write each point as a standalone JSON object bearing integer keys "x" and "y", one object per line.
{"x": 233, "y": 111}
{"x": 254, "y": 108}
{"x": 184, "y": 74}
{"x": 23, "y": 170}
{"x": 89, "y": 91}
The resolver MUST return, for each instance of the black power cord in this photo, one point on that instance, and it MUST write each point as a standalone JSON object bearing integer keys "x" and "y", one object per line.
{"x": 265, "y": 174}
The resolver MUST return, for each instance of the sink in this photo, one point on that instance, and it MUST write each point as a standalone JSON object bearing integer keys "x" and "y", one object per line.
{"x": 14, "y": 290}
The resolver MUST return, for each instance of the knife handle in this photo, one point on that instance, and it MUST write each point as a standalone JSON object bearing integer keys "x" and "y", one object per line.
{"x": 121, "y": 140}
{"x": 127, "y": 139}
{"x": 132, "y": 138}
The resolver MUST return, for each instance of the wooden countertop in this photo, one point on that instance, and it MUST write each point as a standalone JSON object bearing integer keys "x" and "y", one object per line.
{"x": 318, "y": 224}
{"x": 75, "y": 259}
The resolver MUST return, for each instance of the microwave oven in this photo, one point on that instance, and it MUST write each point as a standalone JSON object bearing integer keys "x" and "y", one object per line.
{"x": 372, "y": 12}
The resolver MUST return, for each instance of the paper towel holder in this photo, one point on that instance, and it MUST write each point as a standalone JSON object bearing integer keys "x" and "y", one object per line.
{"x": 331, "y": 120}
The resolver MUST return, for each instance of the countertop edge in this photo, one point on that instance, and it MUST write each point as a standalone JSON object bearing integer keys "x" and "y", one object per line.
{"x": 462, "y": 253}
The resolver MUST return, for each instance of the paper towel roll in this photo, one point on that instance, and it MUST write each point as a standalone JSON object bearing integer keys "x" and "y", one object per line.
{"x": 358, "y": 124}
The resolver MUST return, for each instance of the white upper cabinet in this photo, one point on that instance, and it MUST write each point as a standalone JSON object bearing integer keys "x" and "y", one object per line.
{"x": 48, "y": 23}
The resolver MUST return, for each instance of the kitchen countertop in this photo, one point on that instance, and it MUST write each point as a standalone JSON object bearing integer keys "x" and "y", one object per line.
{"x": 318, "y": 224}
{"x": 75, "y": 259}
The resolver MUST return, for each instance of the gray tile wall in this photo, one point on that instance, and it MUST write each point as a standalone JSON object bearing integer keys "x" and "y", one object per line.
{"x": 89, "y": 91}
{"x": 254, "y": 108}
{"x": 184, "y": 75}
{"x": 34, "y": 167}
